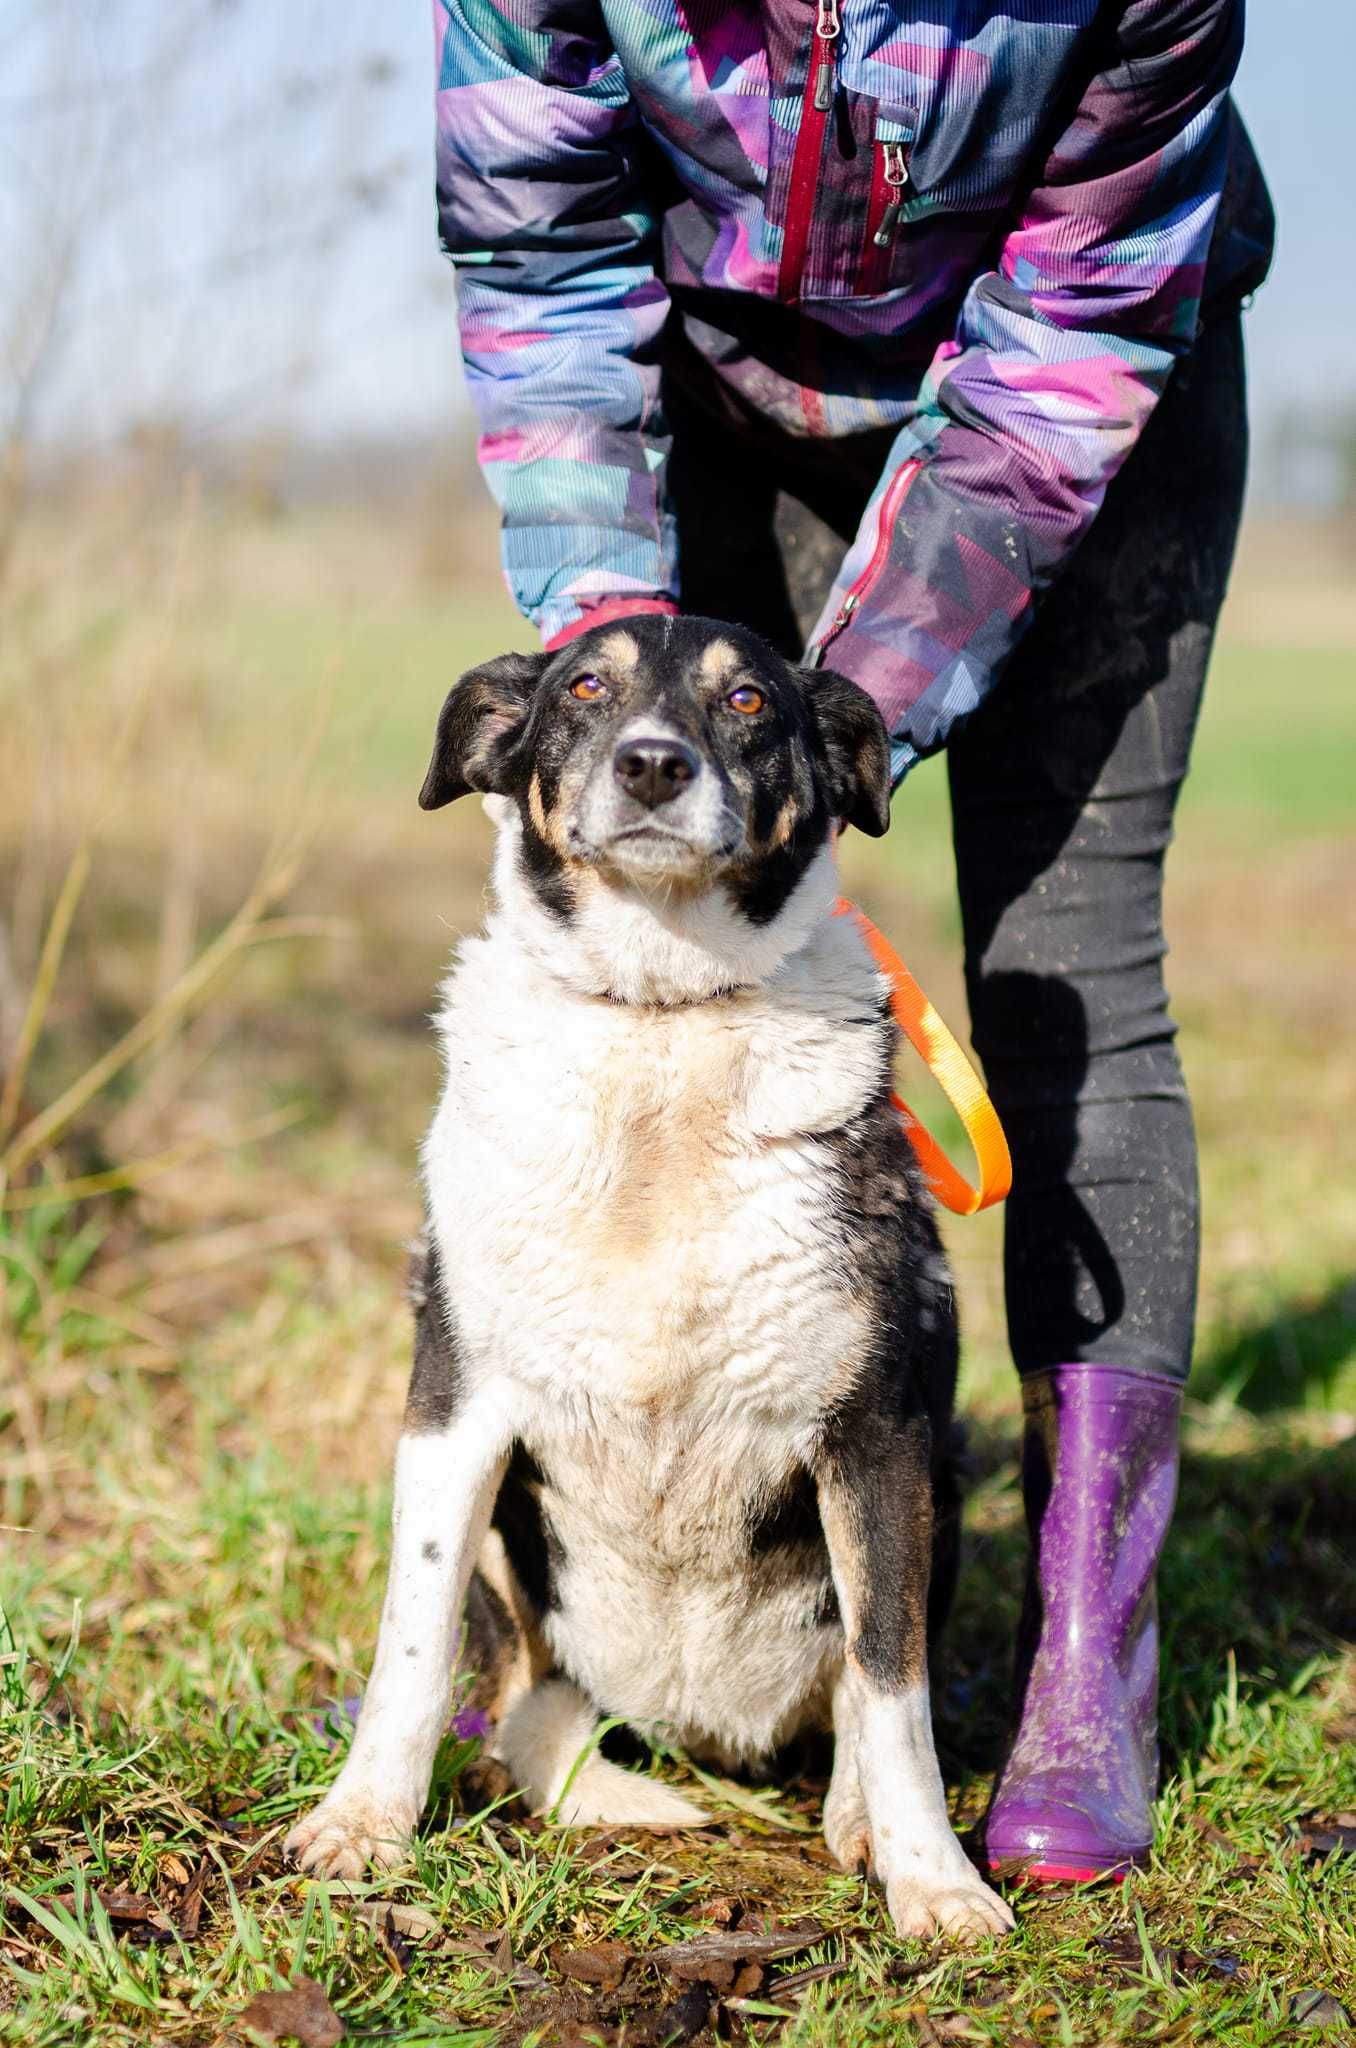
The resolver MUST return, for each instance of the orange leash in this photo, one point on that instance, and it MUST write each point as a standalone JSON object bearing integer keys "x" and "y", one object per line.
{"x": 929, "y": 1036}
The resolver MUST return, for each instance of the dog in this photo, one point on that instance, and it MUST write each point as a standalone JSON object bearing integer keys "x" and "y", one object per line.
{"x": 685, "y": 1336}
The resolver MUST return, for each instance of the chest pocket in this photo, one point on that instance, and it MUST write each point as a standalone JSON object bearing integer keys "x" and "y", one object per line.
{"x": 837, "y": 193}
{"x": 931, "y": 142}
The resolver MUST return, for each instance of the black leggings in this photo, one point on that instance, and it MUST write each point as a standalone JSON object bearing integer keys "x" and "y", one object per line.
{"x": 1063, "y": 787}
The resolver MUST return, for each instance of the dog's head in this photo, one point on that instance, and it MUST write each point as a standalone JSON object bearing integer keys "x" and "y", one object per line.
{"x": 676, "y": 756}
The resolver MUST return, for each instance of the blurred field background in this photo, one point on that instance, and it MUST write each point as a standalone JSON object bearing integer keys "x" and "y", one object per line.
{"x": 224, "y": 636}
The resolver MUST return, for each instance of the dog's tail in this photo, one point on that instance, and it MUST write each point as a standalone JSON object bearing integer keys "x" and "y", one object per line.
{"x": 541, "y": 1738}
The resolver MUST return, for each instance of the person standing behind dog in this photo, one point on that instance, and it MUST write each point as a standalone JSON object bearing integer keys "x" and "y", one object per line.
{"x": 911, "y": 336}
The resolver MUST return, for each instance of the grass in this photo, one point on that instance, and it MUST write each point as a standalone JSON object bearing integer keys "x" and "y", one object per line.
{"x": 201, "y": 1365}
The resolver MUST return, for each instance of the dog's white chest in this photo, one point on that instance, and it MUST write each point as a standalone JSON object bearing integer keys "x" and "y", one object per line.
{"x": 634, "y": 1204}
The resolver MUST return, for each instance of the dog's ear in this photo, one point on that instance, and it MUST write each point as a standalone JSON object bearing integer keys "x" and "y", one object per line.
{"x": 481, "y": 717}
{"x": 854, "y": 747}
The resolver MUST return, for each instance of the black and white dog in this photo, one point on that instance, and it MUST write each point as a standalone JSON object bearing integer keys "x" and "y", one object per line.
{"x": 686, "y": 1344}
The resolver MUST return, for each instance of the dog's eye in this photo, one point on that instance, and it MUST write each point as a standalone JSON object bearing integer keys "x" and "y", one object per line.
{"x": 588, "y": 688}
{"x": 746, "y": 699}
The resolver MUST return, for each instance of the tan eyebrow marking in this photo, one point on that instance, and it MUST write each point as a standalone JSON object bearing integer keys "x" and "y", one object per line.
{"x": 620, "y": 652}
{"x": 720, "y": 660}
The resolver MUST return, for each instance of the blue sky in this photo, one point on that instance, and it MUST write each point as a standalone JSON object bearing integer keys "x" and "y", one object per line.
{"x": 227, "y": 268}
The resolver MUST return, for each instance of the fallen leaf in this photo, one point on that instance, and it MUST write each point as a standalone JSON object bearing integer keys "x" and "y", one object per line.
{"x": 604, "y": 1964}
{"x": 394, "y": 1946}
{"x": 717, "y": 1974}
{"x": 1318, "y": 1838}
{"x": 703, "y": 1953}
{"x": 1316, "y": 2008}
{"x": 721, "y": 1912}
{"x": 411, "y": 1921}
{"x": 302, "y": 2013}
{"x": 118, "y": 1905}
{"x": 489, "y": 1949}
{"x": 934, "y": 2029}
{"x": 130, "y": 1912}
{"x": 175, "y": 1869}
{"x": 797, "y": 1981}
{"x": 594, "y": 1847}
{"x": 1175, "y": 1965}
{"x": 1216, "y": 1962}
{"x": 1122, "y": 1945}
{"x": 190, "y": 1905}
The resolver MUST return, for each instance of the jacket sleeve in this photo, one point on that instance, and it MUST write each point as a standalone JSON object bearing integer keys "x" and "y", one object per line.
{"x": 541, "y": 209}
{"x": 1060, "y": 353}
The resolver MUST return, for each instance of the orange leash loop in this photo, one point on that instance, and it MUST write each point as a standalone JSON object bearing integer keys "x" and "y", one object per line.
{"x": 926, "y": 1032}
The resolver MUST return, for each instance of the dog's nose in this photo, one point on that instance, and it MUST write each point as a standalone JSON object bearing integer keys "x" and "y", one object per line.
{"x": 654, "y": 771}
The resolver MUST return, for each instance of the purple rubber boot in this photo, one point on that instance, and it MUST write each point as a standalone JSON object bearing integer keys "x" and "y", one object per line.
{"x": 1099, "y": 1474}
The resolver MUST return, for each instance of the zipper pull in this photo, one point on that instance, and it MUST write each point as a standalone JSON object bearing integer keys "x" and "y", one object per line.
{"x": 889, "y": 221}
{"x": 896, "y": 178}
{"x": 827, "y": 26}
{"x": 836, "y": 624}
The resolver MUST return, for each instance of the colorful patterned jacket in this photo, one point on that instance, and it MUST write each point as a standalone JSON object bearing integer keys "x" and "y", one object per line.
{"x": 988, "y": 225}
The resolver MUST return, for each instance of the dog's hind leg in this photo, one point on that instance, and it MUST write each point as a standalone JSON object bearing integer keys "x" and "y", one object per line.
{"x": 542, "y": 1739}
{"x": 847, "y": 1831}
{"x": 543, "y": 1723}
{"x": 504, "y": 1653}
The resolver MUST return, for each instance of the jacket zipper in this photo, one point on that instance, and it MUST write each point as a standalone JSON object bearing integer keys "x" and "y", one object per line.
{"x": 814, "y": 112}
{"x": 885, "y": 527}
{"x": 889, "y": 183}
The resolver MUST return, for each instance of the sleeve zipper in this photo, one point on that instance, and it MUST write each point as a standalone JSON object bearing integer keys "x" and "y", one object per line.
{"x": 894, "y": 497}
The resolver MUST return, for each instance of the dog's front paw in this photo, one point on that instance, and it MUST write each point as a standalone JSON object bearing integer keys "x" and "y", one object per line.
{"x": 962, "y": 1907}
{"x": 347, "y": 1831}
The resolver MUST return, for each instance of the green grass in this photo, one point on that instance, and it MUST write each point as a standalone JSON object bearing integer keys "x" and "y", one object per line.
{"x": 200, "y": 1385}
{"x": 179, "y": 1735}
{"x": 1274, "y": 744}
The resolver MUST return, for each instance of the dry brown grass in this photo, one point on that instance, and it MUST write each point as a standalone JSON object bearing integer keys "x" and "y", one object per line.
{"x": 164, "y": 681}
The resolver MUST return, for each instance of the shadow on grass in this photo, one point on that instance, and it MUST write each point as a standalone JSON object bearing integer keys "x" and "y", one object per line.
{"x": 1288, "y": 1359}
{"x": 1260, "y": 1565}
